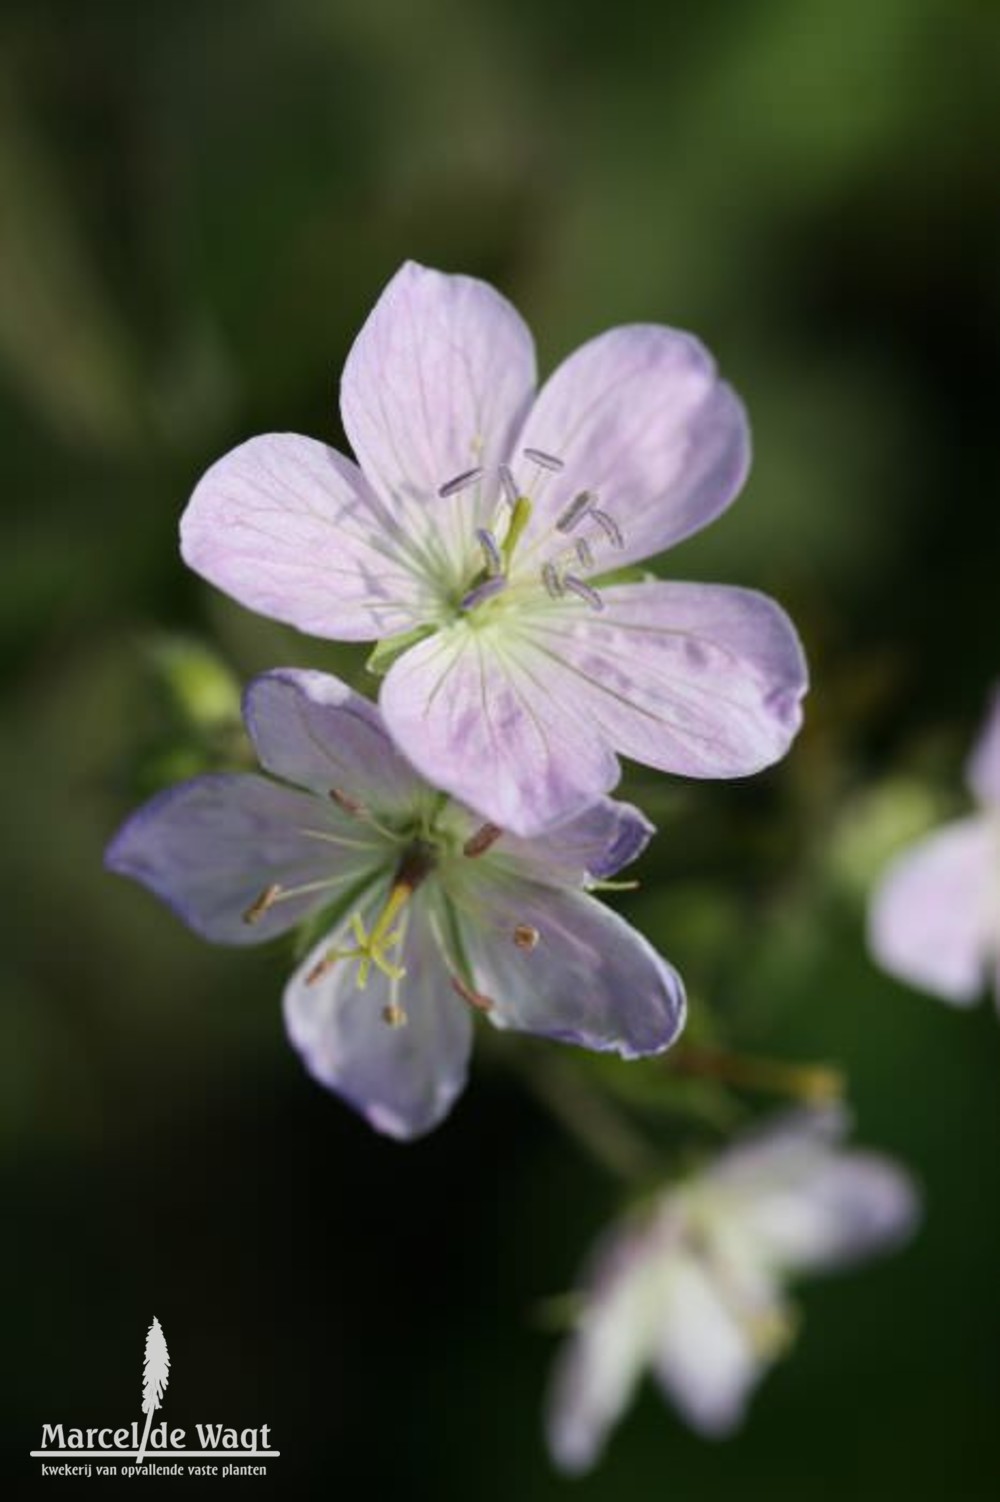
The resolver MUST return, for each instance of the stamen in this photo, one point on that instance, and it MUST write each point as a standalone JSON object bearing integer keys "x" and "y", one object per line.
{"x": 348, "y": 804}
{"x": 323, "y": 966}
{"x": 609, "y": 527}
{"x": 491, "y": 551}
{"x": 584, "y": 553}
{"x": 394, "y": 1016}
{"x": 372, "y": 948}
{"x": 544, "y": 460}
{"x": 526, "y": 937}
{"x": 552, "y": 581}
{"x": 508, "y": 485}
{"x": 576, "y": 511}
{"x": 357, "y": 810}
{"x": 460, "y": 482}
{"x": 480, "y": 842}
{"x": 474, "y": 999}
{"x": 583, "y": 591}
{"x": 261, "y": 904}
{"x": 484, "y": 591}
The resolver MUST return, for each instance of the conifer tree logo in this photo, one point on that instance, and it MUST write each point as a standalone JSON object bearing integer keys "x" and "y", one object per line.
{"x": 155, "y": 1375}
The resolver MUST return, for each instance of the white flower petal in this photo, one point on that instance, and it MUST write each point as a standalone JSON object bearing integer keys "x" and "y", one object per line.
{"x": 403, "y": 1080}
{"x": 934, "y": 920}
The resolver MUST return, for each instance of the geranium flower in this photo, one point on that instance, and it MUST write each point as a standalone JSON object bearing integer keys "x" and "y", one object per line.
{"x": 694, "y": 1286}
{"x": 934, "y": 920}
{"x": 422, "y": 914}
{"x": 479, "y": 532}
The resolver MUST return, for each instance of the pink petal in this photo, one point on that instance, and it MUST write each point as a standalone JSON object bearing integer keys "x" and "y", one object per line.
{"x": 594, "y": 845}
{"x": 841, "y": 1208}
{"x": 697, "y": 679}
{"x": 487, "y": 726}
{"x": 589, "y": 979}
{"x": 311, "y": 729}
{"x": 639, "y": 416}
{"x": 290, "y": 528}
{"x": 983, "y": 770}
{"x": 933, "y": 920}
{"x": 209, "y": 847}
{"x": 705, "y": 1360}
{"x": 436, "y": 383}
{"x": 599, "y": 1366}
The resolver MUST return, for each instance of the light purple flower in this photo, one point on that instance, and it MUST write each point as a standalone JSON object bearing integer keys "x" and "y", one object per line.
{"x": 693, "y": 1288}
{"x": 934, "y": 920}
{"x": 424, "y": 914}
{"x": 476, "y": 532}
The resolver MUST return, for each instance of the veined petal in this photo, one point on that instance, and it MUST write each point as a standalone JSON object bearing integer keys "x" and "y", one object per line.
{"x": 209, "y": 847}
{"x": 403, "y": 1080}
{"x": 592, "y": 846}
{"x": 477, "y": 721}
{"x": 291, "y": 529}
{"x": 639, "y": 417}
{"x": 698, "y": 679}
{"x": 436, "y": 384}
{"x": 705, "y": 1358}
{"x": 599, "y": 1367}
{"x": 310, "y": 728}
{"x": 933, "y": 920}
{"x": 588, "y": 978}
{"x": 983, "y": 770}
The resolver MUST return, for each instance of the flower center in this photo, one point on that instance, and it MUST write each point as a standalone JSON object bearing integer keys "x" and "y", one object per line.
{"x": 567, "y": 551}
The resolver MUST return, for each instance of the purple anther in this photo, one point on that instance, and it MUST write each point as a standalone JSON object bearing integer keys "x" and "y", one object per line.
{"x": 576, "y": 511}
{"x": 609, "y": 527}
{"x": 583, "y": 591}
{"x": 551, "y": 580}
{"x": 460, "y": 482}
{"x": 544, "y": 460}
{"x": 491, "y": 551}
{"x": 484, "y": 591}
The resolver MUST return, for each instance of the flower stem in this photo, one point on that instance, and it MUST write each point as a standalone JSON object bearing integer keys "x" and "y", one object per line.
{"x": 590, "y": 1118}
{"x": 816, "y": 1084}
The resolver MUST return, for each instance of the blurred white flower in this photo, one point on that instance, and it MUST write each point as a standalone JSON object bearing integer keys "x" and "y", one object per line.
{"x": 694, "y": 1289}
{"x": 934, "y": 919}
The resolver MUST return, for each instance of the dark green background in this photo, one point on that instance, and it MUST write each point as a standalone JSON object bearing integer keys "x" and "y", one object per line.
{"x": 198, "y": 204}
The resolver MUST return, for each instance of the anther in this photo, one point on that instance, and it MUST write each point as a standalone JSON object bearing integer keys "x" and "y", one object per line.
{"x": 526, "y": 937}
{"x": 583, "y": 591}
{"x": 394, "y": 1016}
{"x": 491, "y": 551}
{"x": 480, "y": 842}
{"x": 474, "y": 999}
{"x": 552, "y": 581}
{"x": 347, "y": 803}
{"x": 322, "y": 967}
{"x": 609, "y": 527}
{"x": 508, "y": 485}
{"x": 576, "y": 511}
{"x": 544, "y": 460}
{"x": 460, "y": 482}
{"x": 584, "y": 553}
{"x": 261, "y": 904}
{"x": 484, "y": 591}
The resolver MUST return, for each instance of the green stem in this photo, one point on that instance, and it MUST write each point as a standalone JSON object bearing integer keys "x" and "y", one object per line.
{"x": 590, "y": 1118}
{"x": 816, "y": 1084}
